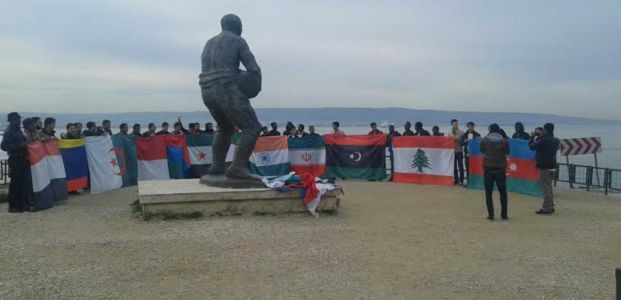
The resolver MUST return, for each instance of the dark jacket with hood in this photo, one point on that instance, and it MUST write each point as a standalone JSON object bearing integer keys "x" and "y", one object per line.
{"x": 495, "y": 147}
{"x": 546, "y": 148}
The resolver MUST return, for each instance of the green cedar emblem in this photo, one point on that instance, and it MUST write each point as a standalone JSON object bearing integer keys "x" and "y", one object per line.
{"x": 420, "y": 161}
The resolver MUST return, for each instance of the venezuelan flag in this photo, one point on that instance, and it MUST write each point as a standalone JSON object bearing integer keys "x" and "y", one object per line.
{"x": 73, "y": 153}
{"x": 522, "y": 172}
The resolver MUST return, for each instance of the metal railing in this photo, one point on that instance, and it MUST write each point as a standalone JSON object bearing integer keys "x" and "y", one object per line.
{"x": 589, "y": 177}
{"x": 4, "y": 172}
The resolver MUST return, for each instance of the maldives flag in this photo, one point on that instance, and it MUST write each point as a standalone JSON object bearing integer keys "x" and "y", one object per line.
{"x": 48, "y": 174}
{"x": 105, "y": 172}
{"x": 178, "y": 156}
{"x": 125, "y": 149}
{"x": 355, "y": 156}
{"x": 270, "y": 156}
{"x": 522, "y": 172}
{"x": 424, "y": 159}
{"x": 152, "y": 158}
{"x": 73, "y": 153}
{"x": 308, "y": 155}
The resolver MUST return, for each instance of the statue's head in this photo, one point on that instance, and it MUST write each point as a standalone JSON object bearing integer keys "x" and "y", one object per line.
{"x": 231, "y": 23}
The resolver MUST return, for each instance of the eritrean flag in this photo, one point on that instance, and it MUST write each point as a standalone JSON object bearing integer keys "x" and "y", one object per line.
{"x": 270, "y": 156}
{"x": 355, "y": 156}
{"x": 73, "y": 153}
{"x": 49, "y": 182}
{"x": 522, "y": 172}
{"x": 424, "y": 159}
{"x": 308, "y": 155}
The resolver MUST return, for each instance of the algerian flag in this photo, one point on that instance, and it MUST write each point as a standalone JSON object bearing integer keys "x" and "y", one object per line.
{"x": 104, "y": 168}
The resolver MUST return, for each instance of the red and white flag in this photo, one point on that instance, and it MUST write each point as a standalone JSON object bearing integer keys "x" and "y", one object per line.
{"x": 49, "y": 181}
{"x": 152, "y": 158}
{"x": 424, "y": 159}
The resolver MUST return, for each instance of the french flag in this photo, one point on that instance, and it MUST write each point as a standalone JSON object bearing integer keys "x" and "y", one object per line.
{"x": 49, "y": 182}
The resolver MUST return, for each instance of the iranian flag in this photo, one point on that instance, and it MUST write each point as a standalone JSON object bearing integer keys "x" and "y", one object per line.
{"x": 105, "y": 169}
{"x": 152, "y": 158}
{"x": 424, "y": 159}
{"x": 49, "y": 181}
{"x": 308, "y": 155}
{"x": 270, "y": 156}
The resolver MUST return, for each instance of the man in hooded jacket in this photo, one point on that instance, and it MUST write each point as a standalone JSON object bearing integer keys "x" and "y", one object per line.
{"x": 495, "y": 148}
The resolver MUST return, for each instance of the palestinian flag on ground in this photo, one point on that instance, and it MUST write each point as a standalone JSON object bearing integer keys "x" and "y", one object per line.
{"x": 125, "y": 149}
{"x": 270, "y": 156}
{"x": 152, "y": 158}
{"x": 424, "y": 159}
{"x": 48, "y": 174}
{"x": 73, "y": 153}
{"x": 308, "y": 155}
{"x": 355, "y": 156}
{"x": 522, "y": 172}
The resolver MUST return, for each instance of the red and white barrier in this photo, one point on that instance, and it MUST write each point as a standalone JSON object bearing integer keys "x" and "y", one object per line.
{"x": 581, "y": 146}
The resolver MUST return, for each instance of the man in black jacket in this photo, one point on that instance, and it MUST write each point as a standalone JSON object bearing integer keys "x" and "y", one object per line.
{"x": 520, "y": 134}
{"x": 14, "y": 143}
{"x": 546, "y": 147}
{"x": 471, "y": 134}
{"x": 495, "y": 148}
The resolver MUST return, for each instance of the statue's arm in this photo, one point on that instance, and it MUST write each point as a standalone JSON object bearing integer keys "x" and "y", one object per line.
{"x": 247, "y": 58}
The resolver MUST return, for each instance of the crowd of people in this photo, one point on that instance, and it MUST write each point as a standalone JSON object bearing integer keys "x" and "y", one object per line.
{"x": 494, "y": 146}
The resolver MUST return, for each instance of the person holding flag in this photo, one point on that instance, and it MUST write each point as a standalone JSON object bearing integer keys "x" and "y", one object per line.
{"x": 14, "y": 143}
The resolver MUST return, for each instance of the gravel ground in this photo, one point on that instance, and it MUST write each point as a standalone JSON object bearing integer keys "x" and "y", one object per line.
{"x": 390, "y": 241}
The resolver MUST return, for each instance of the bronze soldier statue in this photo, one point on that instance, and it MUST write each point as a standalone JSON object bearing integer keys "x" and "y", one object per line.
{"x": 226, "y": 91}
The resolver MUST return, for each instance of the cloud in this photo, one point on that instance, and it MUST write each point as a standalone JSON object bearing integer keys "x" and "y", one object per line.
{"x": 519, "y": 56}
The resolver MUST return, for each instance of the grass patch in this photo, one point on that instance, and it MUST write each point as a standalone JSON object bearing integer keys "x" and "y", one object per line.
{"x": 4, "y": 197}
{"x": 137, "y": 212}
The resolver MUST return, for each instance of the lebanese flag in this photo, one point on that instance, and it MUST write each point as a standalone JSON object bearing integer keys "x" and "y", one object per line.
{"x": 270, "y": 156}
{"x": 152, "y": 158}
{"x": 308, "y": 155}
{"x": 49, "y": 182}
{"x": 105, "y": 169}
{"x": 424, "y": 159}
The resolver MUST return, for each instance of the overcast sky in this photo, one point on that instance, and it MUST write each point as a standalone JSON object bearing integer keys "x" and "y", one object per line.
{"x": 560, "y": 57}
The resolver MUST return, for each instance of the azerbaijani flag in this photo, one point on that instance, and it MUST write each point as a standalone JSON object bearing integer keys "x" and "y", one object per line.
{"x": 355, "y": 156}
{"x": 125, "y": 149}
{"x": 152, "y": 158}
{"x": 178, "y": 156}
{"x": 424, "y": 159}
{"x": 48, "y": 174}
{"x": 73, "y": 153}
{"x": 308, "y": 155}
{"x": 201, "y": 155}
{"x": 522, "y": 172}
{"x": 270, "y": 156}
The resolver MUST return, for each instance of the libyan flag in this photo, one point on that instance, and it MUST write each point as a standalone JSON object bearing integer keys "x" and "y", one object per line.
{"x": 356, "y": 156}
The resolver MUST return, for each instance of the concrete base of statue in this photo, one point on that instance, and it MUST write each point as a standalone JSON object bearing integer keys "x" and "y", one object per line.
{"x": 190, "y": 196}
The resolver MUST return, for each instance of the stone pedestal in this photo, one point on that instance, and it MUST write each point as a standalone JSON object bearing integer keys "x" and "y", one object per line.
{"x": 188, "y": 196}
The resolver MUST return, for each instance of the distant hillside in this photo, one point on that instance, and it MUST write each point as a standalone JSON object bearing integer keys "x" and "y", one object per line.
{"x": 325, "y": 116}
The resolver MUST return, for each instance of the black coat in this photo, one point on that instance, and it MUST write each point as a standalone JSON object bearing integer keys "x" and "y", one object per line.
{"x": 546, "y": 148}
